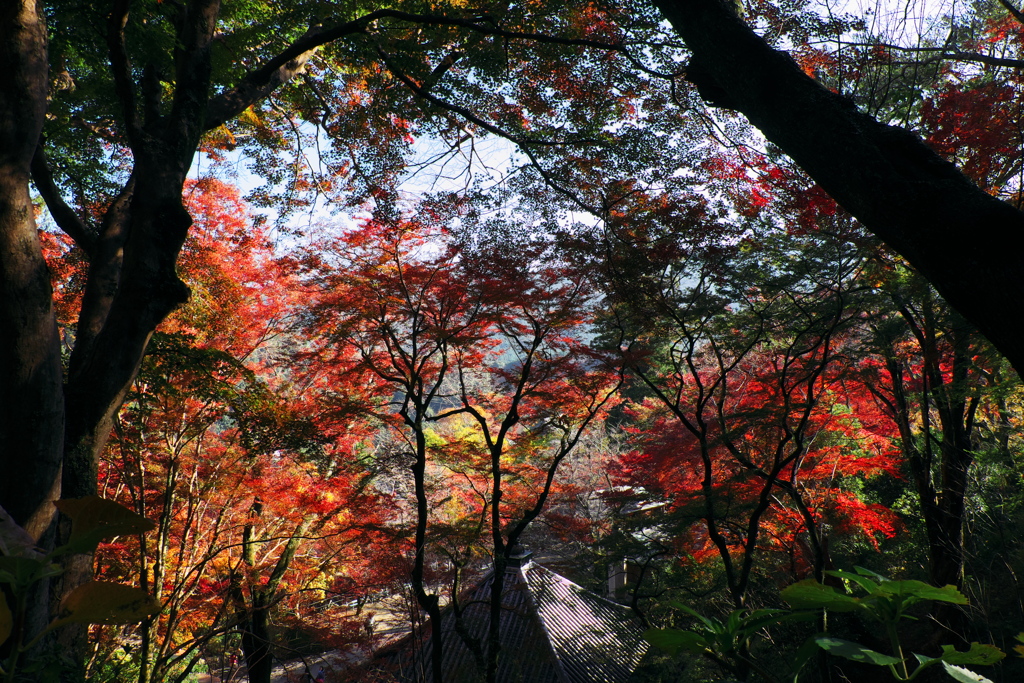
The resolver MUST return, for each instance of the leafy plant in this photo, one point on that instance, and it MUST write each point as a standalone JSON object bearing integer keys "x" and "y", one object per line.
{"x": 23, "y": 566}
{"x": 886, "y": 602}
{"x": 727, "y": 643}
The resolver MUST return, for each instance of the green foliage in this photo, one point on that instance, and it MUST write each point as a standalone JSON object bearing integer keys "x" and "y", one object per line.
{"x": 22, "y": 567}
{"x": 886, "y": 602}
{"x": 726, "y": 642}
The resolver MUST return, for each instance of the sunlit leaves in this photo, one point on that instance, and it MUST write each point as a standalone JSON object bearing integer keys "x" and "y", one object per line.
{"x": 219, "y": 446}
{"x": 476, "y": 359}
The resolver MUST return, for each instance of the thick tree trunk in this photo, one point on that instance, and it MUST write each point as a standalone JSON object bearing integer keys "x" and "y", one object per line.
{"x": 960, "y": 238}
{"x": 256, "y": 646}
{"x": 133, "y": 284}
{"x": 31, "y": 396}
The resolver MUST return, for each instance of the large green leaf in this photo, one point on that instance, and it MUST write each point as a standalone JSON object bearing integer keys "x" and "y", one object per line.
{"x": 924, "y": 591}
{"x": 22, "y": 572}
{"x": 809, "y": 594}
{"x": 761, "y": 618}
{"x": 99, "y": 602}
{"x": 696, "y": 615}
{"x": 673, "y": 640}
{"x": 964, "y": 675}
{"x": 804, "y": 654}
{"x": 94, "y": 519}
{"x": 977, "y": 653}
{"x": 854, "y": 651}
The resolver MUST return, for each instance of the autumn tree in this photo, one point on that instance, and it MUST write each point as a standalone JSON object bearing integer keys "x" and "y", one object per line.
{"x": 126, "y": 94}
{"x": 480, "y": 367}
{"x": 918, "y": 203}
{"x": 748, "y": 430}
{"x": 256, "y": 504}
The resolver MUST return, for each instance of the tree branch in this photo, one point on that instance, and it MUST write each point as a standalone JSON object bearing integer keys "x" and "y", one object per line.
{"x": 290, "y": 61}
{"x": 918, "y": 203}
{"x": 121, "y": 67}
{"x": 67, "y": 219}
{"x": 947, "y": 53}
{"x": 1017, "y": 14}
{"x": 522, "y": 142}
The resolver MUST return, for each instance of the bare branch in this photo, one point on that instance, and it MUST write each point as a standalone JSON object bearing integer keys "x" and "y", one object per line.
{"x": 947, "y": 53}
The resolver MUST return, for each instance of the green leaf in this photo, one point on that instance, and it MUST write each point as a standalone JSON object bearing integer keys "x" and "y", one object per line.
{"x": 761, "y": 618}
{"x": 804, "y": 655}
{"x": 964, "y": 675}
{"x": 864, "y": 571}
{"x": 673, "y": 640}
{"x": 924, "y": 591}
{"x": 854, "y": 651}
{"x": 22, "y": 572}
{"x": 704, "y": 620}
{"x": 735, "y": 620}
{"x": 809, "y": 594}
{"x": 862, "y": 581}
{"x": 94, "y": 519}
{"x": 99, "y": 602}
{"x": 6, "y": 619}
{"x": 977, "y": 653}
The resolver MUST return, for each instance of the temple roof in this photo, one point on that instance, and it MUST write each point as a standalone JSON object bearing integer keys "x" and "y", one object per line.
{"x": 552, "y": 631}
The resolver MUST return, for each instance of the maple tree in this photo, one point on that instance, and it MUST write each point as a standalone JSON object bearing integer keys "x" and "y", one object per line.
{"x": 108, "y": 142}
{"x": 134, "y": 90}
{"x": 941, "y": 386}
{"x": 750, "y": 426}
{"x": 476, "y": 362}
{"x": 256, "y": 505}
{"x": 906, "y": 194}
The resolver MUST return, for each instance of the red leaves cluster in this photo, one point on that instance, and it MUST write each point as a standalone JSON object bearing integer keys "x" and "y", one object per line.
{"x": 978, "y": 129}
{"x": 483, "y": 352}
{"x": 666, "y": 461}
{"x": 218, "y": 446}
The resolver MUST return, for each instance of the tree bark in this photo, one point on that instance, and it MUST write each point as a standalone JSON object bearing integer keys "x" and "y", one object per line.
{"x": 960, "y": 238}
{"x": 31, "y": 377}
{"x": 31, "y": 401}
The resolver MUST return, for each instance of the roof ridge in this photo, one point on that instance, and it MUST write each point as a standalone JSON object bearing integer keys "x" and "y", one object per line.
{"x": 586, "y": 591}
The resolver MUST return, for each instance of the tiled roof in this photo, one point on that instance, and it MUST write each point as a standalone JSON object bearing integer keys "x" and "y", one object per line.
{"x": 552, "y": 631}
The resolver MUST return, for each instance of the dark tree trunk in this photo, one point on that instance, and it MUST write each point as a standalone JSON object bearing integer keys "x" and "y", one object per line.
{"x": 959, "y": 237}
{"x": 427, "y": 601}
{"x": 256, "y": 646}
{"x": 31, "y": 398}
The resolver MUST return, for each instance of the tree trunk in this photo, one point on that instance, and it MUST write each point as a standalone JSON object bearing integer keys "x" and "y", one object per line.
{"x": 31, "y": 377}
{"x": 958, "y": 237}
{"x": 427, "y": 601}
{"x": 31, "y": 397}
{"x": 256, "y": 645}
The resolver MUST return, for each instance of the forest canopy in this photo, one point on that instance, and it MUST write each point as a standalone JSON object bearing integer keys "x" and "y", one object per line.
{"x": 350, "y": 301}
